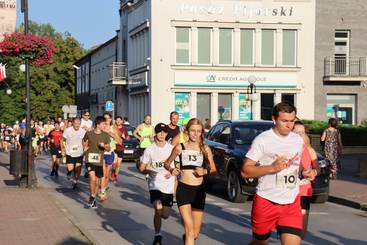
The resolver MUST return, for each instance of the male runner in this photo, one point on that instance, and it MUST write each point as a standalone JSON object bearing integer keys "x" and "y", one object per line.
{"x": 119, "y": 148}
{"x": 96, "y": 142}
{"x": 173, "y": 129}
{"x": 55, "y": 148}
{"x": 274, "y": 158}
{"x": 72, "y": 148}
{"x": 160, "y": 181}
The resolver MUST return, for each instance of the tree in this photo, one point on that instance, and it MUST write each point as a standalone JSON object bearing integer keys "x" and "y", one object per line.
{"x": 51, "y": 85}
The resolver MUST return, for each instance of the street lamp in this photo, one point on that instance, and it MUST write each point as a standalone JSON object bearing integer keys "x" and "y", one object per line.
{"x": 251, "y": 93}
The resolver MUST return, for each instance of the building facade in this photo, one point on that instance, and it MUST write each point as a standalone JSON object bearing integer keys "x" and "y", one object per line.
{"x": 199, "y": 58}
{"x": 341, "y": 60}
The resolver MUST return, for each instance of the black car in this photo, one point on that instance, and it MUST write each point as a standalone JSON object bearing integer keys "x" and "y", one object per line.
{"x": 131, "y": 146}
{"x": 229, "y": 142}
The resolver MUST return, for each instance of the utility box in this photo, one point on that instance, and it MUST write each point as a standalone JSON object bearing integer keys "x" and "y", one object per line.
{"x": 18, "y": 162}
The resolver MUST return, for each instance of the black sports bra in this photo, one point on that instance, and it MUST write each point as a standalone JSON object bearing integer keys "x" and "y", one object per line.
{"x": 190, "y": 159}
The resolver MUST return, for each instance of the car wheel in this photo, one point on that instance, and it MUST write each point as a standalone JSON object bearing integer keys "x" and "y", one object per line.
{"x": 233, "y": 188}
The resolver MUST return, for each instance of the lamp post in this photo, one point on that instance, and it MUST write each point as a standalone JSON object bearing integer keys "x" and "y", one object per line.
{"x": 24, "y": 10}
{"x": 251, "y": 92}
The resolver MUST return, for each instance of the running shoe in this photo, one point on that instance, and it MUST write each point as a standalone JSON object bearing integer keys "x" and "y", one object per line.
{"x": 92, "y": 202}
{"x": 68, "y": 175}
{"x": 157, "y": 240}
{"x": 56, "y": 173}
{"x": 52, "y": 173}
{"x": 75, "y": 186}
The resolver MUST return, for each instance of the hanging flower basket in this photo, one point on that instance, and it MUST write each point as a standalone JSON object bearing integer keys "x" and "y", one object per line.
{"x": 39, "y": 50}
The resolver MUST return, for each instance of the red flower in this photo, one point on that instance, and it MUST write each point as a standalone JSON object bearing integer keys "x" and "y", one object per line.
{"x": 37, "y": 48}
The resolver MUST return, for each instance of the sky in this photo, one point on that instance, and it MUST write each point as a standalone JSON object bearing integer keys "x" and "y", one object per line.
{"x": 91, "y": 22}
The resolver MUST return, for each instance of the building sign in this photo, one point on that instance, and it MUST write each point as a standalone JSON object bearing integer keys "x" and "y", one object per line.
{"x": 235, "y": 79}
{"x": 7, "y": 16}
{"x": 238, "y": 9}
{"x": 182, "y": 106}
{"x": 245, "y": 109}
{"x": 138, "y": 80}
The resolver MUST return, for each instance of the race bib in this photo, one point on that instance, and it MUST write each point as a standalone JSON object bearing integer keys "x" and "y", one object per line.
{"x": 75, "y": 149}
{"x": 94, "y": 158}
{"x": 287, "y": 179}
{"x": 157, "y": 165}
{"x": 192, "y": 158}
{"x": 7, "y": 138}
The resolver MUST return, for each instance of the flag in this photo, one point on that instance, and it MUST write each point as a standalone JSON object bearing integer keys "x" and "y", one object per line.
{"x": 2, "y": 72}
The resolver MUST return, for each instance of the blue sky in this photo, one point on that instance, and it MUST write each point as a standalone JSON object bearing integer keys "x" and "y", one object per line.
{"x": 91, "y": 22}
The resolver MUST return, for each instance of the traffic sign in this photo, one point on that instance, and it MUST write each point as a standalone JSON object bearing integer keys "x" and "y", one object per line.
{"x": 109, "y": 106}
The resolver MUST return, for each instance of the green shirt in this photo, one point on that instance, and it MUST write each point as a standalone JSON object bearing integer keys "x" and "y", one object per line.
{"x": 94, "y": 154}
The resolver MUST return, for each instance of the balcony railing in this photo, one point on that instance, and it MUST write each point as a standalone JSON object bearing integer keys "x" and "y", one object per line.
{"x": 341, "y": 66}
{"x": 118, "y": 73}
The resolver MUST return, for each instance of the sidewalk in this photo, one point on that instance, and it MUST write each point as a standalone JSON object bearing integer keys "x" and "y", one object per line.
{"x": 32, "y": 216}
{"x": 349, "y": 189}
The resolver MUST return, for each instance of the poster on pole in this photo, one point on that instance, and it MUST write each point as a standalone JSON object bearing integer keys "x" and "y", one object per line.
{"x": 245, "y": 109}
{"x": 182, "y": 106}
{"x": 7, "y": 16}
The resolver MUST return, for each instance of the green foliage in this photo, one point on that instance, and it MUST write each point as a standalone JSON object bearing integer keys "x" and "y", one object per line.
{"x": 351, "y": 135}
{"x": 51, "y": 85}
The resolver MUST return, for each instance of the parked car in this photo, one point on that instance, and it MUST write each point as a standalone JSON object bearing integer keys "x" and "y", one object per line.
{"x": 131, "y": 146}
{"x": 229, "y": 142}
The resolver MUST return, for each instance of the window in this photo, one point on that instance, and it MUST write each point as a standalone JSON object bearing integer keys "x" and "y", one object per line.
{"x": 225, "y": 134}
{"x": 247, "y": 45}
{"x": 204, "y": 45}
{"x": 244, "y": 135}
{"x": 225, "y": 46}
{"x": 289, "y": 47}
{"x": 182, "y": 45}
{"x": 225, "y": 106}
{"x": 267, "y": 47}
{"x": 267, "y": 103}
{"x": 288, "y": 98}
{"x": 215, "y": 132}
{"x": 203, "y": 106}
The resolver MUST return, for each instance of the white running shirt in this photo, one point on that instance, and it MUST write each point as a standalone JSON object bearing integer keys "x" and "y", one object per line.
{"x": 282, "y": 187}
{"x": 155, "y": 157}
{"x": 74, "y": 139}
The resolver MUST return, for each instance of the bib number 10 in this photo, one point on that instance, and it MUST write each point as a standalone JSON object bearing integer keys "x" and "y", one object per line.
{"x": 289, "y": 179}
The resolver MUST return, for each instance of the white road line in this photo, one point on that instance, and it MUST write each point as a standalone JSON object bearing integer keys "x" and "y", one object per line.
{"x": 235, "y": 209}
{"x": 220, "y": 204}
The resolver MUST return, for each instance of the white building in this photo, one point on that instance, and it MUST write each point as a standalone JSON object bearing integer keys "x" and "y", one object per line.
{"x": 197, "y": 57}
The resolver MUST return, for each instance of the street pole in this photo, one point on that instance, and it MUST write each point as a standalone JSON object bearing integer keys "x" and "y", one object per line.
{"x": 24, "y": 10}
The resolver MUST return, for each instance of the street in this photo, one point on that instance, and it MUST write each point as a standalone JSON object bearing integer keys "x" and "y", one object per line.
{"x": 126, "y": 218}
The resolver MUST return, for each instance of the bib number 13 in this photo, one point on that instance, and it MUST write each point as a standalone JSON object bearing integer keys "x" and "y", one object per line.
{"x": 192, "y": 158}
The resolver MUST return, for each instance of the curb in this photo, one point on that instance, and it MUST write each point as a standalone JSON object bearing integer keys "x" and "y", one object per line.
{"x": 347, "y": 203}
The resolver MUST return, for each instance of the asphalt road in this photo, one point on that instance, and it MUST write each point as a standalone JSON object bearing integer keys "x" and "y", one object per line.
{"x": 126, "y": 218}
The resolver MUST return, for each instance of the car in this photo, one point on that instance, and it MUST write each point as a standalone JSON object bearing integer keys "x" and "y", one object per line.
{"x": 131, "y": 150}
{"x": 229, "y": 141}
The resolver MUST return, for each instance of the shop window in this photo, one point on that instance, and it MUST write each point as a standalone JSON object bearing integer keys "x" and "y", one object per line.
{"x": 225, "y": 106}
{"x": 204, "y": 45}
{"x": 247, "y": 47}
{"x": 289, "y": 47}
{"x": 343, "y": 107}
{"x": 267, "y": 47}
{"x": 267, "y": 104}
{"x": 225, "y": 46}
{"x": 182, "y": 45}
{"x": 203, "y": 107}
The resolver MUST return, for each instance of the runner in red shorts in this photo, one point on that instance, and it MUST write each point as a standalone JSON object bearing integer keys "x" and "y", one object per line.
{"x": 274, "y": 158}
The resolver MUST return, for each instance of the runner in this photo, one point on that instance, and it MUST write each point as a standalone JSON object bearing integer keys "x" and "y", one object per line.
{"x": 119, "y": 148}
{"x": 160, "y": 181}
{"x": 72, "y": 148}
{"x": 41, "y": 132}
{"x": 173, "y": 129}
{"x": 310, "y": 169}
{"x": 144, "y": 133}
{"x": 55, "y": 148}
{"x": 274, "y": 158}
{"x": 95, "y": 143}
{"x": 196, "y": 160}
{"x": 86, "y": 123}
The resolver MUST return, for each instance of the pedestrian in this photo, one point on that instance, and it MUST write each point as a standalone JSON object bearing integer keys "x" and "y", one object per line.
{"x": 333, "y": 146}
{"x": 144, "y": 133}
{"x": 72, "y": 149}
{"x": 126, "y": 121}
{"x": 207, "y": 125}
{"x": 96, "y": 142}
{"x": 55, "y": 148}
{"x": 160, "y": 181}
{"x": 309, "y": 169}
{"x": 172, "y": 128}
{"x": 119, "y": 148}
{"x": 196, "y": 161}
{"x": 274, "y": 157}
{"x": 86, "y": 123}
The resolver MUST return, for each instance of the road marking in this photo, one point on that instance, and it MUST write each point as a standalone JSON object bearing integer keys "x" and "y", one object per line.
{"x": 319, "y": 213}
{"x": 235, "y": 209}
{"x": 139, "y": 176}
{"x": 220, "y": 204}
{"x": 209, "y": 199}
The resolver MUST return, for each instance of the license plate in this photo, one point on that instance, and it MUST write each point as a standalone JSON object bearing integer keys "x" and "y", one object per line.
{"x": 128, "y": 151}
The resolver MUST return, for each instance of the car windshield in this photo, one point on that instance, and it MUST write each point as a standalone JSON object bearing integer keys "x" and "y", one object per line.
{"x": 245, "y": 134}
